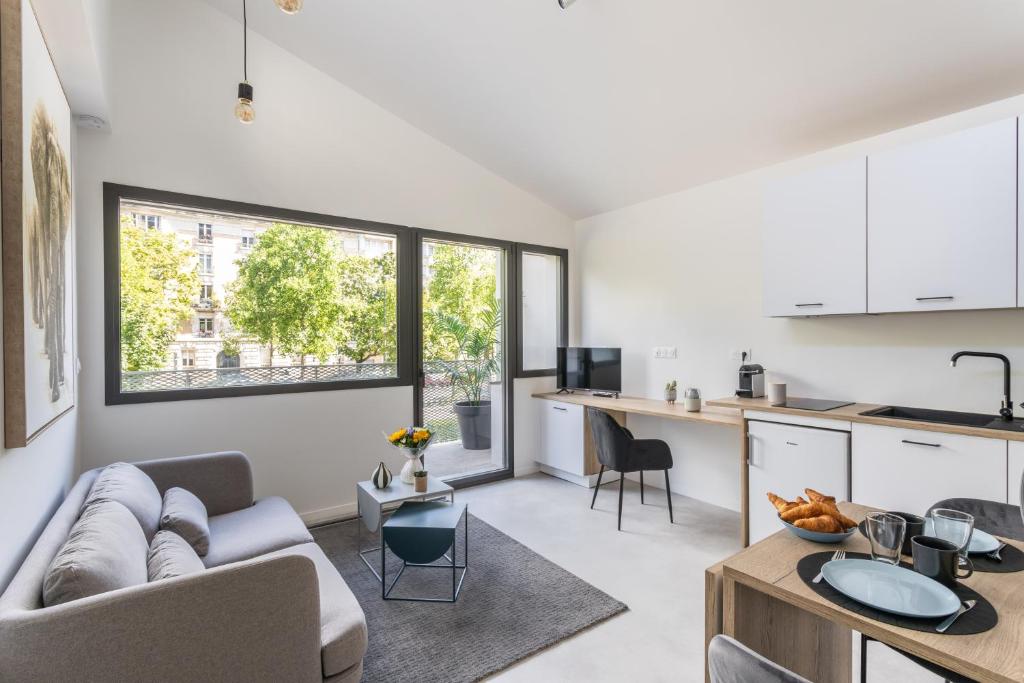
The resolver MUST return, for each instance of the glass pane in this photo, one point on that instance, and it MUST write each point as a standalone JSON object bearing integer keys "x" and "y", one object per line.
{"x": 247, "y": 301}
{"x": 463, "y": 346}
{"x": 542, "y": 314}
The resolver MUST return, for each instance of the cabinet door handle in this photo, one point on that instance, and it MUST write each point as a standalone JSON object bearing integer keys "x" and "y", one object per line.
{"x": 935, "y": 298}
{"x": 558, "y": 408}
{"x": 808, "y": 305}
{"x": 790, "y": 443}
{"x": 922, "y": 443}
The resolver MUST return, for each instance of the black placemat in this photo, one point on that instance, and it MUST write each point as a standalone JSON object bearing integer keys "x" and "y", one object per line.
{"x": 980, "y": 619}
{"x": 1012, "y": 558}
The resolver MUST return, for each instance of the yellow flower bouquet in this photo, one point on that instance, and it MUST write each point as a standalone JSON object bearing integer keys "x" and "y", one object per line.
{"x": 412, "y": 441}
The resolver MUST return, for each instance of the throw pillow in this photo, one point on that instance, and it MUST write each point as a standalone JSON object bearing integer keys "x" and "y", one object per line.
{"x": 185, "y": 515}
{"x": 133, "y": 488}
{"x": 170, "y": 555}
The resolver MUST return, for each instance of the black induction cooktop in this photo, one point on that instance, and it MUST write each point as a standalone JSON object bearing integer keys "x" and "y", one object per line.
{"x": 815, "y": 404}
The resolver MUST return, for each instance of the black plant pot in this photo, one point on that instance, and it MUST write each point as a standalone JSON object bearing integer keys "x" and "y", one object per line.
{"x": 474, "y": 424}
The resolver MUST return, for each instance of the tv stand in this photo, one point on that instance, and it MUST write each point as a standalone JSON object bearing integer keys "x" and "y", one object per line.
{"x": 605, "y": 394}
{"x": 564, "y": 390}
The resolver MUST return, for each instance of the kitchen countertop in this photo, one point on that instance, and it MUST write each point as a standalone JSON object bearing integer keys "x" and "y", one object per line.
{"x": 851, "y": 413}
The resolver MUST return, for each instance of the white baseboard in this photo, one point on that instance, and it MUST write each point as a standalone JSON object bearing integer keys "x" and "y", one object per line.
{"x": 332, "y": 514}
{"x": 586, "y": 480}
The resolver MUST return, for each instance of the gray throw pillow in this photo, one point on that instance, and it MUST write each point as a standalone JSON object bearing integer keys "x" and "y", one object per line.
{"x": 105, "y": 550}
{"x": 185, "y": 515}
{"x": 133, "y": 488}
{"x": 170, "y": 555}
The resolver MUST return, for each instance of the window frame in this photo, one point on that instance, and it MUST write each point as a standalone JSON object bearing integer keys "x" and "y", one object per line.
{"x": 114, "y": 193}
{"x": 563, "y": 324}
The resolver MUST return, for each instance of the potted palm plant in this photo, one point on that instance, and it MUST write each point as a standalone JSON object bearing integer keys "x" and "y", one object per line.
{"x": 476, "y": 363}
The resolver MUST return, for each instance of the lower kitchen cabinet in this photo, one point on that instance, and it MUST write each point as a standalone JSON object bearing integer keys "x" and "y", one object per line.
{"x": 1015, "y": 470}
{"x": 910, "y": 470}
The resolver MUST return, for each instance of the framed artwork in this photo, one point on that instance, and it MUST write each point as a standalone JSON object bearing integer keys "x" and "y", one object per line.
{"x": 37, "y": 231}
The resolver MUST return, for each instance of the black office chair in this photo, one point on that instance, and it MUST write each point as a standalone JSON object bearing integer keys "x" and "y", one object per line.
{"x": 618, "y": 451}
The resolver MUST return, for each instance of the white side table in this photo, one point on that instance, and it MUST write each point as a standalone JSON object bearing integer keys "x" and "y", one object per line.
{"x": 371, "y": 503}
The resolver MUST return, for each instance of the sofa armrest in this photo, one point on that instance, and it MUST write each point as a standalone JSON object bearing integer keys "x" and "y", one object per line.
{"x": 223, "y": 481}
{"x": 253, "y": 620}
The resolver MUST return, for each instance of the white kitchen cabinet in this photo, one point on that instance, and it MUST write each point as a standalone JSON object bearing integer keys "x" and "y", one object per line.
{"x": 561, "y": 438}
{"x": 910, "y": 470}
{"x": 815, "y": 242}
{"x": 942, "y": 224}
{"x": 1015, "y": 472}
{"x": 785, "y": 459}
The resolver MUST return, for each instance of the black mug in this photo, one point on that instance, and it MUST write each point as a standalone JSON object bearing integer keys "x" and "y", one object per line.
{"x": 938, "y": 559}
{"x": 915, "y": 527}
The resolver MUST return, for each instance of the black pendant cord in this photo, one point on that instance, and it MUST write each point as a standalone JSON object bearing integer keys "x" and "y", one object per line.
{"x": 245, "y": 44}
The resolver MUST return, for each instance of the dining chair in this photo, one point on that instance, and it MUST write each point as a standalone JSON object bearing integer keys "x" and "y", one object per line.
{"x": 729, "y": 661}
{"x": 619, "y": 451}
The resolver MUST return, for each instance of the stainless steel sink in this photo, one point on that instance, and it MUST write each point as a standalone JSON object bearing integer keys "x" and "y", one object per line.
{"x": 950, "y": 417}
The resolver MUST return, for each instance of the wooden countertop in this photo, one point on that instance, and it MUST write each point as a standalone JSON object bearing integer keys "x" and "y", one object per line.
{"x": 727, "y": 416}
{"x": 851, "y": 413}
{"x": 995, "y": 655}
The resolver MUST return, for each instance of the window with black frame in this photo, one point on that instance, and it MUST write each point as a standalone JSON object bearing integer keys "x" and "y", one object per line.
{"x": 244, "y": 303}
{"x": 543, "y": 304}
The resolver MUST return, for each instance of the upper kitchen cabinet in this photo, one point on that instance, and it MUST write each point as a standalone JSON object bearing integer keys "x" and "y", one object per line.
{"x": 815, "y": 242}
{"x": 942, "y": 226}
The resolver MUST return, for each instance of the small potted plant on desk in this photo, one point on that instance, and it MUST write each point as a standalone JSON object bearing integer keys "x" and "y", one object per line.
{"x": 670, "y": 392}
{"x": 421, "y": 480}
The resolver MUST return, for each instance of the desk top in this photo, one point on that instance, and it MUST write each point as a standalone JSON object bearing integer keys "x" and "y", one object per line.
{"x": 648, "y": 406}
{"x": 996, "y": 655}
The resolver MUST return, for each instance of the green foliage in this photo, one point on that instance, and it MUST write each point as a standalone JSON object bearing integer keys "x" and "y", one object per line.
{"x": 159, "y": 280}
{"x": 288, "y": 293}
{"x": 369, "y": 316}
{"x": 462, "y": 284}
{"x": 476, "y": 360}
{"x": 231, "y": 344}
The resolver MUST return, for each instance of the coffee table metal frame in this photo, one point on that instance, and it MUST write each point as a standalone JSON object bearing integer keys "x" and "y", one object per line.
{"x": 456, "y": 579}
{"x": 396, "y": 494}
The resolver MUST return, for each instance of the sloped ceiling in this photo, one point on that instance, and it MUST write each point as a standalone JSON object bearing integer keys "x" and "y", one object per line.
{"x": 615, "y": 101}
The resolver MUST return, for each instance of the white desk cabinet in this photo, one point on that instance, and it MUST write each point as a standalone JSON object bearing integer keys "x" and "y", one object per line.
{"x": 910, "y": 470}
{"x": 942, "y": 226}
{"x": 1015, "y": 470}
{"x": 815, "y": 242}
{"x": 562, "y": 437}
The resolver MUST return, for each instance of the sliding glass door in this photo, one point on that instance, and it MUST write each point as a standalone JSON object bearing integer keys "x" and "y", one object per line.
{"x": 463, "y": 387}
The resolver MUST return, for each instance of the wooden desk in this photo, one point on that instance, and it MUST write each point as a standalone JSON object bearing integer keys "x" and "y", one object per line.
{"x": 767, "y": 606}
{"x": 620, "y": 407}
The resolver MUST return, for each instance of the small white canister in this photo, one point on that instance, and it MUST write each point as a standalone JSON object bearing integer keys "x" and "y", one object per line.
{"x": 691, "y": 400}
{"x": 777, "y": 393}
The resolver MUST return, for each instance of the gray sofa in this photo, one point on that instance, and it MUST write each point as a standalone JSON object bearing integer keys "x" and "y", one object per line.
{"x": 269, "y": 607}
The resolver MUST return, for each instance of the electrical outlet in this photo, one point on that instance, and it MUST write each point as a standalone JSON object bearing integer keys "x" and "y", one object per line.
{"x": 665, "y": 352}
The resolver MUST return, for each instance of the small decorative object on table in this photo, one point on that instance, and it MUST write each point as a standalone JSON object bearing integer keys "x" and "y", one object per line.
{"x": 413, "y": 442}
{"x": 381, "y": 476}
{"x": 691, "y": 400}
{"x": 421, "y": 481}
{"x": 670, "y": 392}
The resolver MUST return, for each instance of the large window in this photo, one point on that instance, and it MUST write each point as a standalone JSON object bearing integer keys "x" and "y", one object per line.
{"x": 302, "y": 302}
{"x": 543, "y": 304}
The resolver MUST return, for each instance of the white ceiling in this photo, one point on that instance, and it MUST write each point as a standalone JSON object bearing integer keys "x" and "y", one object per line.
{"x": 615, "y": 101}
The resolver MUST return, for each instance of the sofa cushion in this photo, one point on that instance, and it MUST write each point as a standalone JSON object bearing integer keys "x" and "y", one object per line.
{"x": 343, "y": 636}
{"x": 185, "y": 515}
{"x": 131, "y": 487}
{"x": 105, "y": 550}
{"x": 270, "y": 524}
{"x": 170, "y": 555}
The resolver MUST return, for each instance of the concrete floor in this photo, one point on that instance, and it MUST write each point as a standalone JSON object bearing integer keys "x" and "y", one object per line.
{"x": 657, "y": 569}
{"x": 449, "y": 460}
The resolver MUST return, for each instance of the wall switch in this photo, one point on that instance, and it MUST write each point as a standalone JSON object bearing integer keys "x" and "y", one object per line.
{"x": 666, "y": 352}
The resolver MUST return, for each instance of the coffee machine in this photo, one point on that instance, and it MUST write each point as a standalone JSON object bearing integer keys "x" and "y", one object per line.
{"x": 751, "y": 381}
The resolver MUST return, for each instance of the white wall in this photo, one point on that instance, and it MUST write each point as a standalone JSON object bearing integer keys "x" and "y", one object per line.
{"x": 315, "y": 146}
{"x": 685, "y": 270}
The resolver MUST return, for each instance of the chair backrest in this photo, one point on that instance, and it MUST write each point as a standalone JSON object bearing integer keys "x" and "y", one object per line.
{"x": 611, "y": 440}
{"x": 732, "y": 662}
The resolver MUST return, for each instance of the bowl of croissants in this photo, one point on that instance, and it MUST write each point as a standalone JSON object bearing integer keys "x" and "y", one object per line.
{"x": 815, "y": 518}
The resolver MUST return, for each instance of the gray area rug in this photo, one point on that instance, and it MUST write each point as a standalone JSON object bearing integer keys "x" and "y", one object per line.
{"x": 513, "y": 603}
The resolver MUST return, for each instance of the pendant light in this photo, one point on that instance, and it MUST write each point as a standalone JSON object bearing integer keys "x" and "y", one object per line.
{"x": 289, "y": 6}
{"x": 244, "y": 111}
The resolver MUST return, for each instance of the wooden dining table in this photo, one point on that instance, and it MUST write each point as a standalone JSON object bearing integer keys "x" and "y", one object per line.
{"x": 757, "y": 597}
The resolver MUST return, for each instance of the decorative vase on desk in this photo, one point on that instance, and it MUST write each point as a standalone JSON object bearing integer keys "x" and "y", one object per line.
{"x": 670, "y": 392}
{"x": 381, "y": 476}
{"x": 691, "y": 400}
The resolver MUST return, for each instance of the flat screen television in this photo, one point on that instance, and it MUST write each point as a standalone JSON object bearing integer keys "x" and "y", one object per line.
{"x": 593, "y": 369}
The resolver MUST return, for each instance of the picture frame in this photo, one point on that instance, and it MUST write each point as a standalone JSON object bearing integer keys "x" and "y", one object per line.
{"x": 36, "y": 229}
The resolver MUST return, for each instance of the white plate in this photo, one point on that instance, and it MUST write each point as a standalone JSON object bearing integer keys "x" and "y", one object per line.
{"x": 890, "y": 588}
{"x": 982, "y": 543}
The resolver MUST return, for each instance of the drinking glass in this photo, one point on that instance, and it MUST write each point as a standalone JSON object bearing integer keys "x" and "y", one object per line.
{"x": 953, "y": 526}
{"x": 885, "y": 532}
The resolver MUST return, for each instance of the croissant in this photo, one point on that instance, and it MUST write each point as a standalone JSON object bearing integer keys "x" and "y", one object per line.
{"x": 805, "y": 511}
{"x": 800, "y": 500}
{"x": 822, "y": 523}
{"x": 817, "y": 497}
{"x": 845, "y": 521}
{"x": 779, "y": 502}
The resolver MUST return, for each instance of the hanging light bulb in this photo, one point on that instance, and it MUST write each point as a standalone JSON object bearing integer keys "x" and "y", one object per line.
{"x": 244, "y": 110}
{"x": 289, "y": 6}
